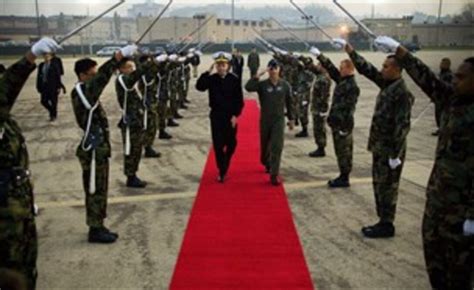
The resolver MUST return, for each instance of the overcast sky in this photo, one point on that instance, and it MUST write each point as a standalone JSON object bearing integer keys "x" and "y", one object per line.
{"x": 358, "y": 7}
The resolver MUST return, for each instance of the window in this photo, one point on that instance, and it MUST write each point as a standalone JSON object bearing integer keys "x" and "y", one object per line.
{"x": 237, "y": 22}
{"x": 227, "y": 22}
{"x": 246, "y": 23}
{"x": 219, "y": 22}
{"x": 254, "y": 23}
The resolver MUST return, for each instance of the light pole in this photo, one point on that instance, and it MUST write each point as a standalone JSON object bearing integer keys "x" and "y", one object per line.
{"x": 440, "y": 8}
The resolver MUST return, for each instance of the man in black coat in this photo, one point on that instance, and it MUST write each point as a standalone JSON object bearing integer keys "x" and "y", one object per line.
{"x": 237, "y": 63}
{"x": 49, "y": 84}
{"x": 226, "y": 101}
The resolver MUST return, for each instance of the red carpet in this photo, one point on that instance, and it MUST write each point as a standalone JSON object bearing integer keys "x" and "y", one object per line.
{"x": 241, "y": 234}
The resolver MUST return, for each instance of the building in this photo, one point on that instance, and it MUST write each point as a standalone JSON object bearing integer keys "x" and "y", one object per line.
{"x": 218, "y": 30}
{"x": 424, "y": 34}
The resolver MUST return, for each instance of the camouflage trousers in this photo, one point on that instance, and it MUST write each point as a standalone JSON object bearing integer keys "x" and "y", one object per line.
{"x": 343, "y": 147}
{"x": 303, "y": 108}
{"x": 271, "y": 143}
{"x": 18, "y": 238}
{"x": 163, "y": 113}
{"x": 296, "y": 106}
{"x": 449, "y": 255}
{"x": 319, "y": 130}
{"x": 386, "y": 182}
{"x": 132, "y": 161}
{"x": 182, "y": 94}
{"x": 174, "y": 104}
{"x": 152, "y": 127}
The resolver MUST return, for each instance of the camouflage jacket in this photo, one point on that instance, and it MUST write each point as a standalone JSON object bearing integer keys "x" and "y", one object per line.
{"x": 454, "y": 165}
{"x": 13, "y": 152}
{"x": 391, "y": 119}
{"x": 148, "y": 86}
{"x": 344, "y": 100}
{"x": 16, "y": 191}
{"x": 321, "y": 93}
{"x": 134, "y": 107}
{"x": 92, "y": 90}
{"x": 304, "y": 81}
{"x": 162, "y": 77}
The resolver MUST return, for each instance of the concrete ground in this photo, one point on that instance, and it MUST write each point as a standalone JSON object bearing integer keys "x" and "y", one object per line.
{"x": 151, "y": 222}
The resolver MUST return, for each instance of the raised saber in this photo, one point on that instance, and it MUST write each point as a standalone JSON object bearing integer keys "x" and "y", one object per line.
{"x": 359, "y": 23}
{"x": 311, "y": 20}
{"x": 291, "y": 33}
{"x": 80, "y": 28}
{"x": 193, "y": 32}
{"x": 154, "y": 22}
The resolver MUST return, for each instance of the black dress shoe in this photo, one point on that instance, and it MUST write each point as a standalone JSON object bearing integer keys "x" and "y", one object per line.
{"x": 101, "y": 236}
{"x": 221, "y": 178}
{"x": 341, "y": 181}
{"x": 267, "y": 169}
{"x": 320, "y": 152}
{"x": 164, "y": 135}
{"x": 135, "y": 182}
{"x": 172, "y": 123}
{"x": 435, "y": 133}
{"x": 379, "y": 230}
{"x": 151, "y": 153}
{"x": 302, "y": 134}
{"x": 275, "y": 180}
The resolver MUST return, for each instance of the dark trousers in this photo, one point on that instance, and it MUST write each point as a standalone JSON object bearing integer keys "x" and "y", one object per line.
{"x": 49, "y": 101}
{"x": 224, "y": 140}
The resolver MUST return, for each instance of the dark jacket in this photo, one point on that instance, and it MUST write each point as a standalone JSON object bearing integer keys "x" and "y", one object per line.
{"x": 237, "y": 64}
{"x": 226, "y": 97}
{"x": 51, "y": 84}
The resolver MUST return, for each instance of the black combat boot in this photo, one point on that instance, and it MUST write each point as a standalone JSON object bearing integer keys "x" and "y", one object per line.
{"x": 379, "y": 230}
{"x": 164, "y": 135}
{"x": 151, "y": 153}
{"x": 101, "y": 235}
{"x": 135, "y": 182}
{"x": 187, "y": 101}
{"x": 275, "y": 180}
{"x": 183, "y": 106}
{"x": 320, "y": 152}
{"x": 303, "y": 133}
{"x": 341, "y": 181}
{"x": 172, "y": 123}
{"x": 177, "y": 116}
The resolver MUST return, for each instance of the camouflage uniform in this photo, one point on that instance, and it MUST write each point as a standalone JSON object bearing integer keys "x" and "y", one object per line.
{"x": 388, "y": 133}
{"x": 173, "y": 85}
{"x": 303, "y": 91}
{"x": 320, "y": 107}
{"x": 132, "y": 119}
{"x": 450, "y": 191}
{"x": 181, "y": 84}
{"x": 341, "y": 114}
{"x": 273, "y": 100}
{"x": 97, "y": 139}
{"x": 18, "y": 240}
{"x": 148, "y": 86}
{"x": 163, "y": 76}
{"x": 447, "y": 77}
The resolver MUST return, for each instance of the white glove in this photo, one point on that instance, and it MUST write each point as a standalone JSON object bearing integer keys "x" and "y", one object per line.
{"x": 182, "y": 59}
{"x": 468, "y": 228}
{"x": 173, "y": 57}
{"x": 386, "y": 44}
{"x": 129, "y": 50}
{"x": 190, "y": 55}
{"x": 45, "y": 45}
{"x": 394, "y": 163}
{"x": 191, "y": 50}
{"x": 161, "y": 58}
{"x": 198, "y": 53}
{"x": 338, "y": 43}
{"x": 296, "y": 54}
{"x": 315, "y": 51}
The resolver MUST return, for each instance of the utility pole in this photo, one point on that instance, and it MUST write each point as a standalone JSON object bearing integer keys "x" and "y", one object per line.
{"x": 232, "y": 25}
{"x": 38, "y": 21}
{"x": 440, "y": 8}
{"x": 307, "y": 18}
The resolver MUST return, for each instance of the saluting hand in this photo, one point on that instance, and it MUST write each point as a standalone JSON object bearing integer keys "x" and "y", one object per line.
{"x": 211, "y": 69}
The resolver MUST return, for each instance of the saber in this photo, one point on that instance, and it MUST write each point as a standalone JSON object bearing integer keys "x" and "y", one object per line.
{"x": 311, "y": 20}
{"x": 261, "y": 46}
{"x": 420, "y": 115}
{"x": 193, "y": 32}
{"x": 359, "y": 23}
{"x": 291, "y": 32}
{"x": 154, "y": 22}
{"x": 260, "y": 37}
{"x": 80, "y": 28}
